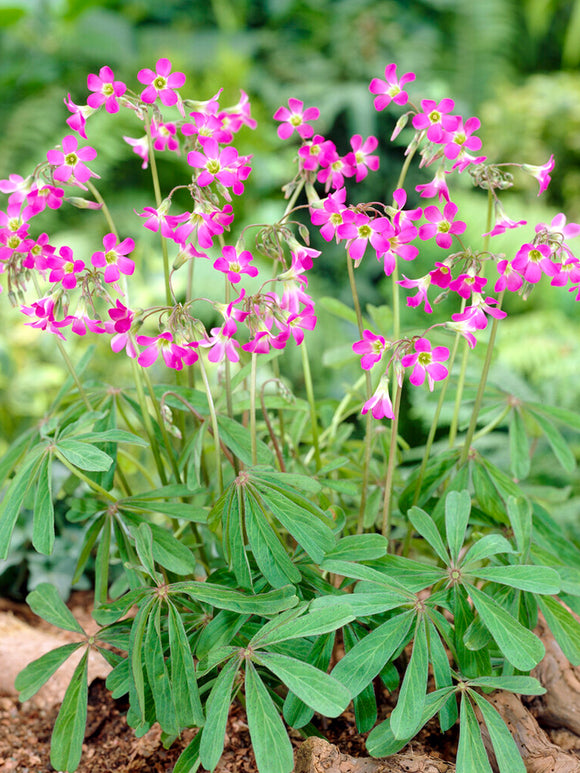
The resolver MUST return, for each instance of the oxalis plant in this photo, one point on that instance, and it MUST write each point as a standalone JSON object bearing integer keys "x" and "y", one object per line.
{"x": 251, "y": 545}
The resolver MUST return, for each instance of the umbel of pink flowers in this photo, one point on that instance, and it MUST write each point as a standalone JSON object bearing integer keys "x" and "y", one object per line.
{"x": 90, "y": 296}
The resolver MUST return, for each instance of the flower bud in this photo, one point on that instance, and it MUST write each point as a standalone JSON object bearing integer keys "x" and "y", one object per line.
{"x": 80, "y": 203}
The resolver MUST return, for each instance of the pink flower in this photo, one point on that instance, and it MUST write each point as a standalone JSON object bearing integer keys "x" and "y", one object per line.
{"x": 44, "y": 195}
{"x": 158, "y": 218}
{"x": 106, "y": 89}
{"x": 426, "y": 361}
{"x": 174, "y": 355}
{"x": 465, "y": 328}
{"x": 474, "y": 315}
{"x": 294, "y": 118}
{"x": 372, "y": 347}
{"x": 221, "y": 343}
{"x": 541, "y": 173}
{"x": 64, "y": 268}
{"x": 37, "y": 254}
{"x": 122, "y": 317}
{"x": 43, "y": 312}
{"x": 114, "y": 258}
{"x": 18, "y": 187}
{"x": 441, "y": 276}
{"x": 205, "y": 224}
{"x": 358, "y": 229}
{"x": 207, "y": 125}
{"x": 569, "y": 271}
{"x": 140, "y": 147}
{"x": 330, "y": 215}
{"x": 234, "y": 264}
{"x": 334, "y": 169}
{"x": 161, "y": 83}
{"x": 466, "y": 284}
{"x": 77, "y": 121}
{"x": 502, "y": 221}
{"x": 509, "y": 278}
{"x": 422, "y": 284}
{"x": 164, "y": 136}
{"x": 435, "y": 119}
{"x": 301, "y": 321}
{"x": 313, "y": 153}
{"x": 437, "y": 186}
{"x": 69, "y": 161}
{"x": 294, "y": 283}
{"x": 361, "y": 159}
{"x": 393, "y": 242}
{"x": 380, "y": 403}
{"x": 460, "y": 139}
{"x": 390, "y": 89}
{"x": 223, "y": 165}
{"x": 532, "y": 259}
{"x": 441, "y": 225}
{"x": 556, "y": 233}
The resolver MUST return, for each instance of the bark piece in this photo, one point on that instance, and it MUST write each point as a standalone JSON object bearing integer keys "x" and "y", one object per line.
{"x": 316, "y": 755}
{"x": 560, "y": 706}
{"x": 540, "y": 755}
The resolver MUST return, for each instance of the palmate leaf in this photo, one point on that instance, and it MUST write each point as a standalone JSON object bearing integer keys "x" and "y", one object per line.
{"x": 442, "y": 675}
{"x": 30, "y": 679}
{"x": 319, "y": 690}
{"x": 519, "y": 447}
{"x": 366, "y": 659}
{"x": 457, "y": 511}
{"x": 365, "y": 703}
{"x": 217, "y": 710}
{"x": 564, "y": 626}
{"x": 471, "y": 754}
{"x": 406, "y": 716}
{"x": 45, "y": 602}
{"x": 519, "y": 645}
{"x": 508, "y": 757}
{"x": 13, "y": 498}
{"x": 66, "y": 745}
{"x": 84, "y": 455}
{"x": 315, "y": 622}
{"x": 183, "y": 679}
{"x": 268, "y": 603}
{"x": 296, "y": 712}
{"x": 43, "y": 522}
{"x": 535, "y": 579}
{"x": 557, "y": 442}
{"x": 425, "y": 526}
{"x": 158, "y": 675}
{"x": 270, "y": 740}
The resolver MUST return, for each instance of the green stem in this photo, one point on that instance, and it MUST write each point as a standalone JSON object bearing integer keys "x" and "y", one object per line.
{"x": 147, "y": 423}
{"x": 391, "y": 464}
{"x": 458, "y": 396}
{"x": 72, "y": 371}
{"x": 369, "y": 419}
{"x": 158, "y": 200}
{"x": 162, "y": 427}
{"x": 311, "y": 402}
{"x": 395, "y": 274}
{"x": 215, "y": 427}
{"x": 493, "y": 424}
{"x": 253, "y": 408}
{"x": 104, "y": 208}
{"x": 95, "y": 486}
{"x": 481, "y": 390}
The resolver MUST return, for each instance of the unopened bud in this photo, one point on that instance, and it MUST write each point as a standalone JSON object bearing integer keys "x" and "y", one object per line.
{"x": 400, "y": 125}
{"x": 80, "y": 203}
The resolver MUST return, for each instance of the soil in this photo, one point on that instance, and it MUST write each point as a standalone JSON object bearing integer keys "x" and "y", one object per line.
{"x": 552, "y": 746}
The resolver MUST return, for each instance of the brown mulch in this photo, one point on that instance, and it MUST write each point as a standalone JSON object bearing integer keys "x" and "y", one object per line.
{"x": 110, "y": 744}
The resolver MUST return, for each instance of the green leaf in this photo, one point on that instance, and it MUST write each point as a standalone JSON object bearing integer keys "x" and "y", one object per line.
{"x": 183, "y": 678}
{"x": 189, "y": 760}
{"x": 45, "y": 602}
{"x": 296, "y": 712}
{"x": 365, "y": 660}
{"x": 519, "y": 447}
{"x": 225, "y": 598}
{"x": 470, "y": 663}
{"x": 12, "y": 502}
{"x": 382, "y": 743}
{"x": 457, "y": 511}
{"x": 564, "y": 626}
{"x": 569, "y": 418}
{"x": 486, "y": 493}
{"x": 522, "y": 685}
{"x": 238, "y": 439}
{"x": 89, "y": 538}
{"x": 66, "y": 745}
{"x": 507, "y": 754}
{"x": 359, "y": 547}
{"x": 158, "y": 675}
{"x": 425, "y": 526}
{"x": 471, "y": 754}
{"x": 407, "y": 714}
{"x": 319, "y": 690}
{"x": 84, "y": 456}
{"x": 167, "y": 550}
{"x": 519, "y": 645}
{"x": 270, "y": 740}
{"x": 217, "y": 710}
{"x": 557, "y": 442}
{"x": 271, "y": 556}
{"x": 485, "y": 547}
{"x": 136, "y": 638}
{"x": 43, "y": 523}
{"x": 112, "y": 436}
{"x": 437, "y": 470}
{"x": 235, "y": 511}
{"x": 102, "y": 563}
{"x": 30, "y": 679}
{"x": 314, "y": 623}
{"x": 17, "y": 449}
{"x": 365, "y": 703}
{"x": 144, "y": 548}
{"x": 338, "y": 309}
{"x": 362, "y": 572}
{"x": 415, "y": 575}
{"x": 363, "y": 603}
{"x": 442, "y": 675}
{"x": 535, "y": 579}
{"x": 501, "y": 481}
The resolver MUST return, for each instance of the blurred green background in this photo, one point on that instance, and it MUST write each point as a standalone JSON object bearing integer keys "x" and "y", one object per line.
{"x": 511, "y": 62}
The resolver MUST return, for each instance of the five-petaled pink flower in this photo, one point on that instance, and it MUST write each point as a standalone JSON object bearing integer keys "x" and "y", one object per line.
{"x": 234, "y": 264}
{"x": 161, "y": 83}
{"x": 426, "y": 361}
{"x": 174, "y": 355}
{"x": 295, "y": 118}
{"x": 390, "y": 89}
{"x": 361, "y": 159}
{"x": 221, "y": 164}
{"x": 532, "y": 260}
{"x": 69, "y": 161}
{"x": 435, "y": 119}
{"x": 114, "y": 258}
{"x": 372, "y": 348}
{"x": 442, "y": 225}
{"x": 64, "y": 268}
{"x": 106, "y": 89}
